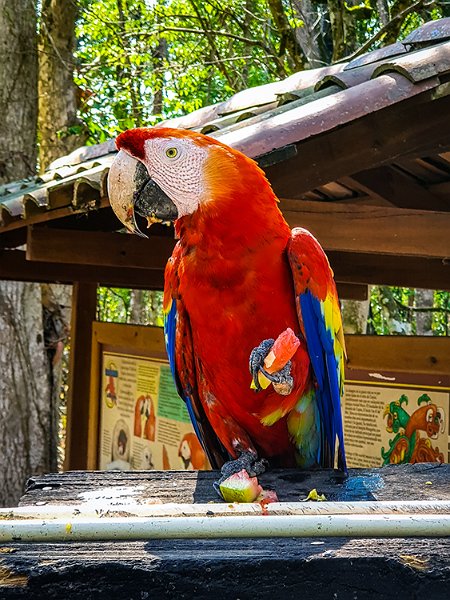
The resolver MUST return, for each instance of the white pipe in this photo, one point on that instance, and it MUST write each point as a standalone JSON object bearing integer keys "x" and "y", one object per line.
{"x": 138, "y": 528}
{"x": 102, "y": 508}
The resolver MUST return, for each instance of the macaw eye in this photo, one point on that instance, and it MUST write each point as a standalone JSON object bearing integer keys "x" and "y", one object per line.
{"x": 171, "y": 152}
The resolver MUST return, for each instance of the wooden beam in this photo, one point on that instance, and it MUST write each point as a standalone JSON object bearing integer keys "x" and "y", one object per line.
{"x": 344, "y": 227}
{"x": 408, "y": 354}
{"x": 400, "y": 189}
{"x": 84, "y": 308}
{"x": 348, "y": 227}
{"x": 13, "y": 238}
{"x": 351, "y": 291}
{"x": 403, "y": 271}
{"x": 362, "y": 144}
{"x": 349, "y": 267}
{"x": 102, "y": 249}
{"x": 15, "y": 267}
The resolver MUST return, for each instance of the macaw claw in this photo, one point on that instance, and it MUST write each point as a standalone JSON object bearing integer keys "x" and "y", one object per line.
{"x": 256, "y": 362}
{"x": 281, "y": 380}
{"x": 248, "y": 461}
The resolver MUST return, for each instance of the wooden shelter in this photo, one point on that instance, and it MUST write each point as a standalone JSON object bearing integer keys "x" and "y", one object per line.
{"x": 358, "y": 152}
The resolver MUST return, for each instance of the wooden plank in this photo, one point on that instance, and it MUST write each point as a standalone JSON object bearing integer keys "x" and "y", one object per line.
{"x": 345, "y": 227}
{"x": 375, "y": 139}
{"x": 408, "y": 354}
{"x": 15, "y": 267}
{"x": 97, "y": 248}
{"x": 399, "y": 189}
{"x": 291, "y": 485}
{"x": 84, "y": 308}
{"x": 49, "y": 215}
{"x": 403, "y": 271}
{"x": 129, "y": 339}
{"x": 348, "y": 267}
{"x": 288, "y": 569}
{"x": 348, "y": 227}
{"x": 349, "y": 291}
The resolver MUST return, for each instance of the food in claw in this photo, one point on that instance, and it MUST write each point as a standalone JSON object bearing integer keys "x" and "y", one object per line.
{"x": 237, "y": 279}
{"x": 282, "y": 351}
{"x": 240, "y": 487}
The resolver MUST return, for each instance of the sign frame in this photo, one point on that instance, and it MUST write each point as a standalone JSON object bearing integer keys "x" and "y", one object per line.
{"x": 137, "y": 340}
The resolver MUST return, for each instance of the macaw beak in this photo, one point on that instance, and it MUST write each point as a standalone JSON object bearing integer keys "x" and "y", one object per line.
{"x": 130, "y": 189}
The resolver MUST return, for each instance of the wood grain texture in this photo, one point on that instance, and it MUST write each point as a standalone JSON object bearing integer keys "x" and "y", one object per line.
{"x": 97, "y": 248}
{"x": 14, "y": 266}
{"x": 405, "y": 354}
{"x": 84, "y": 310}
{"x": 400, "y": 189}
{"x": 311, "y": 569}
{"x": 348, "y": 227}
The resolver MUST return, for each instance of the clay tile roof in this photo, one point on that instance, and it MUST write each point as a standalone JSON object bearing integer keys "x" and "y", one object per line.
{"x": 262, "y": 121}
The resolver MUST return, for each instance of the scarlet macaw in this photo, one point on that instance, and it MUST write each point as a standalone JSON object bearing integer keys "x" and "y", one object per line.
{"x": 238, "y": 277}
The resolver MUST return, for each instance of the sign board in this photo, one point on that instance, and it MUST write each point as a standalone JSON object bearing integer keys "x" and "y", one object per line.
{"x": 141, "y": 421}
{"x": 394, "y": 417}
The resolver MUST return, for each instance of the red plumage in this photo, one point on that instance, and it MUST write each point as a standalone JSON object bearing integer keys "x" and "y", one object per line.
{"x": 238, "y": 275}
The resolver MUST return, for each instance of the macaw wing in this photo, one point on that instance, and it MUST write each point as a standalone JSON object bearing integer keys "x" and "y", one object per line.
{"x": 180, "y": 351}
{"x": 321, "y": 324}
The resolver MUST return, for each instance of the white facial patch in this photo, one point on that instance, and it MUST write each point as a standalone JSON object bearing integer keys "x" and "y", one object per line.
{"x": 176, "y": 165}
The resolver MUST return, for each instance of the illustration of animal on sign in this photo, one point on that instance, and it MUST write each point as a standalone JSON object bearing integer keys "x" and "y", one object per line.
{"x": 145, "y": 418}
{"x": 252, "y": 320}
{"x": 191, "y": 453}
{"x": 409, "y": 445}
{"x": 120, "y": 449}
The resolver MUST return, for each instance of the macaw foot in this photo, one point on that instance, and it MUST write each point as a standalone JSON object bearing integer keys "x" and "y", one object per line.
{"x": 239, "y": 481}
{"x": 281, "y": 380}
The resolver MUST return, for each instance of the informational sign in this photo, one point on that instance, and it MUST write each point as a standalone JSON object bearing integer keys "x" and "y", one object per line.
{"x": 387, "y": 421}
{"x": 143, "y": 422}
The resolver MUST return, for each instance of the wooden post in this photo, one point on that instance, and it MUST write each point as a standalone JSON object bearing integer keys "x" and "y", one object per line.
{"x": 84, "y": 307}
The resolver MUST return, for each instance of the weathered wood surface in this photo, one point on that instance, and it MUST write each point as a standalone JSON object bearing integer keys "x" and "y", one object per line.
{"x": 316, "y": 568}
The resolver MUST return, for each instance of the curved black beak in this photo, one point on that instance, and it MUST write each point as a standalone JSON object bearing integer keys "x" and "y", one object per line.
{"x": 150, "y": 201}
{"x": 131, "y": 190}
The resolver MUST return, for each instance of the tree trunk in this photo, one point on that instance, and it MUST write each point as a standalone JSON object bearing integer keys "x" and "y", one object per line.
{"x": 56, "y": 303}
{"x": 354, "y": 316}
{"x": 312, "y": 37}
{"x": 18, "y": 89}
{"x": 289, "y": 44}
{"x": 343, "y": 28}
{"x": 137, "y": 307}
{"x": 383, "y": 11}
{"x": 424, "y": 299}
{"x": 59, "y": 128}
{"x": 25, "y": 444}
{"x": 25, "y": 426}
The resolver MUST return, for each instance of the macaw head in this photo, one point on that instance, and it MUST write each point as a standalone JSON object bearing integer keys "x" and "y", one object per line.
{"x": 164, "y": 174}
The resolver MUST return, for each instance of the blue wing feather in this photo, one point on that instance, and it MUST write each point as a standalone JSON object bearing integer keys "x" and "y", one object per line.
{"x": 323, "y": 360}
{"x": 170, "y": 325}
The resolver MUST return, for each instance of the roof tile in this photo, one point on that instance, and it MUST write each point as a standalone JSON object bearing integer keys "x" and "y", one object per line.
{"x": 429, "y": 33}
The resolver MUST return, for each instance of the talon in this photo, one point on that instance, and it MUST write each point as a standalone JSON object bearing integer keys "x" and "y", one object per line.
{"x": 272, "y": 360}
{"x": 256, "y": 362}
{"x": 281, "y": 380}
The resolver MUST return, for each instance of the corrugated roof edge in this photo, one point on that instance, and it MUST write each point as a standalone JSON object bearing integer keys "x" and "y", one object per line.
{"x": 83, "y": 154}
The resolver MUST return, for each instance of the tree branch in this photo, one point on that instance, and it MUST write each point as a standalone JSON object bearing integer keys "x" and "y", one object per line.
{"x": 393, "y": 23}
